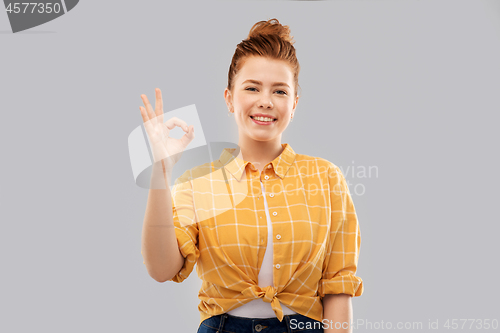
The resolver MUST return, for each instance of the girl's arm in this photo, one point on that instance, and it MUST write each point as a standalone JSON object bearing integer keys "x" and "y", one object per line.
{"x": 337, "y": 313}
{"x": 160, "y": 250}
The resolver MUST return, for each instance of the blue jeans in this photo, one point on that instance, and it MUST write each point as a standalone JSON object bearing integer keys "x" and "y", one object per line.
{"x": 226, "y": 323}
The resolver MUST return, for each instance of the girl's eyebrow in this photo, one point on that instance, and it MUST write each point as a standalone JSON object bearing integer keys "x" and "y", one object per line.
{"x": 260, "y": 83}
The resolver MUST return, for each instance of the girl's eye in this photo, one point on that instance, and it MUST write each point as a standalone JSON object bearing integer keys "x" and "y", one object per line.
{"x": 280, "y": 92}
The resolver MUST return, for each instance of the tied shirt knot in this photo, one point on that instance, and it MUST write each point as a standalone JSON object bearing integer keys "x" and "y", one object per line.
{"x": 268, "y": 295}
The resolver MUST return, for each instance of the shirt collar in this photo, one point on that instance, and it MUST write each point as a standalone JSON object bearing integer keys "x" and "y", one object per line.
{"x": 236, "y": 165}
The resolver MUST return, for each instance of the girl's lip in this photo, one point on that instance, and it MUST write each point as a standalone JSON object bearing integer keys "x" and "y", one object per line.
{"x": 262, "y": 115}
{"x": 262, "y": 122}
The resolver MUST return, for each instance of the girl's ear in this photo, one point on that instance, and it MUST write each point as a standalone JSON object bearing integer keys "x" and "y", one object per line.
{"x": 295, "y": 102}
{"x": 229, "y": 98}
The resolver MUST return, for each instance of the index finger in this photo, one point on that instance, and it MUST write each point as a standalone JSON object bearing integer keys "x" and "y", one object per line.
{"x": 174, "y": 121}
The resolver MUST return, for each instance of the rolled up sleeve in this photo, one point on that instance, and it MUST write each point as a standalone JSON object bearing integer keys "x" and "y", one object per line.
{"x": 186, "y": 228}
{"x": 341, "y": 260}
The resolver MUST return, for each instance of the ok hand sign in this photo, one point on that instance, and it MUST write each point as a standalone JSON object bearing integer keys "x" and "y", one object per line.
{"x": 163, "y": 146}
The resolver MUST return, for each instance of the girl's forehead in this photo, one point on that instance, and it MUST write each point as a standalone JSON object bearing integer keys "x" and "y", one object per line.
{"x": 264, "y": 70}
{"x": 258, "y": 62}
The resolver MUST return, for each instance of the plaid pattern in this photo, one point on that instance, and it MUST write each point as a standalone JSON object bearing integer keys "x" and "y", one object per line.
{"x": 220, "y": 223}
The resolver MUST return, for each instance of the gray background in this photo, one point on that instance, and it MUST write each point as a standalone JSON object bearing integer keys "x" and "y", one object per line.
{"x": 410, "y": 87}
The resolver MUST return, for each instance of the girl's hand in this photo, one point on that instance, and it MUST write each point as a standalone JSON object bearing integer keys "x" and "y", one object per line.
{"x": 163, "y": 146}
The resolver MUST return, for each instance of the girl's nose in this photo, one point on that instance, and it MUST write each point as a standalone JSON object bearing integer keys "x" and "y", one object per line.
{"x": 265, "y": 102}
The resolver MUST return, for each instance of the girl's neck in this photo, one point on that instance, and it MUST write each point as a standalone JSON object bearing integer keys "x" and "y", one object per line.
{"x": 260, "y": 153}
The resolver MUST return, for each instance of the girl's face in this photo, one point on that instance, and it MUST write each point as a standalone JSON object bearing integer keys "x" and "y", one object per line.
{"x": 262, "y": 88}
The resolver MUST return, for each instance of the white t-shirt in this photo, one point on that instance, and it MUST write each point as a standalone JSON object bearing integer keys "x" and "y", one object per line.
{"x": 257, "y": 308}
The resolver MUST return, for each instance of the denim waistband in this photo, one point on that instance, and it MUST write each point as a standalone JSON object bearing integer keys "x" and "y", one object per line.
{"x": 225, "y": 323}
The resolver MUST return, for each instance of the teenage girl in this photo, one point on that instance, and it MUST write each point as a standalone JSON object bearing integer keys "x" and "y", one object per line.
{"x": 282, "y": 257}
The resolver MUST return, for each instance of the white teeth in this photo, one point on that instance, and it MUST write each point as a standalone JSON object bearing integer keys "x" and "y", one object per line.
{"x": 263, "y": 119}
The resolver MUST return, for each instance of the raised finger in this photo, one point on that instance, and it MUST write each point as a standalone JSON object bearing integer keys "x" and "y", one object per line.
{"x": 147, "y": 122}
{"x": 144, "y": 114}
{"x": 149, "y": 107}
{"x": 159, "y": 105}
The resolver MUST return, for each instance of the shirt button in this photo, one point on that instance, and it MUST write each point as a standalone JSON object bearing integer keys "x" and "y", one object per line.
{"x": 269, "y": 166}
{"x": 271, "y": 195}
{"x": 266, "y": 177}
{"x": 278, "y": 266}
{"x": 275, "y": 213}
{"x": 278, "y": 236}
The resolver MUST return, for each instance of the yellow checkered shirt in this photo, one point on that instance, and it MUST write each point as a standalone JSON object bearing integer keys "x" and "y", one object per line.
{"x": 220, "y": 223}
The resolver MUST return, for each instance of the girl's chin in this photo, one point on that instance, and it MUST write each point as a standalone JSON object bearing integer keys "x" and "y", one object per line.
{"x": 262, "y": 137}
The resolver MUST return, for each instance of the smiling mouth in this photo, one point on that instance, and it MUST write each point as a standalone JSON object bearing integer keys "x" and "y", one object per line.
{"x": 265, "y": 121}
